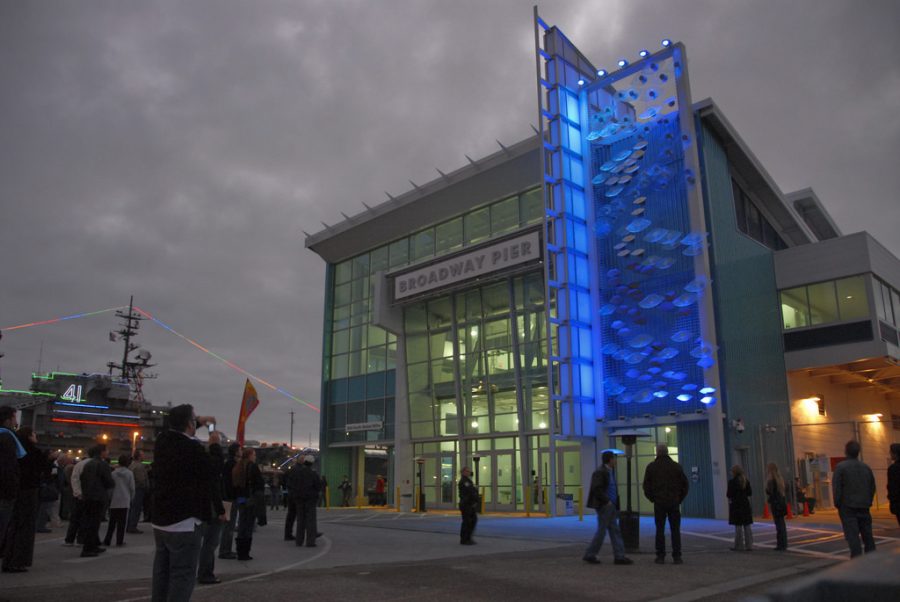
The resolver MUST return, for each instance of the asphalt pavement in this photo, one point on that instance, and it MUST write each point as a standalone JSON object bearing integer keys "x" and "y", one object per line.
{"x": 380, "y": 554}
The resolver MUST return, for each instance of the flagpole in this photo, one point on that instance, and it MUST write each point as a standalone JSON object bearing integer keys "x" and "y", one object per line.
{"x": 292, "y": 428}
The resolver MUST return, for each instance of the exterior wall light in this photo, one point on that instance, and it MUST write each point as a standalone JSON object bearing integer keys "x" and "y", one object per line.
{"x": 623, "y": 63}
{"x": 644, "y": 53}
{"x": 601, "y": 72}
{"x": 666, "y": 43}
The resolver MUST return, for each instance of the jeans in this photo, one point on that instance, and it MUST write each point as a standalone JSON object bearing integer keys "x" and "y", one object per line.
{"x": 306, "y": 521}
{"x": 246, "y": 520}
{"x": 76, "y": 522}
{"x": 660, "y": 514}
{"x": 743, "y": 537}
{"x": 780, "y": 532}
{"x": 137, "y": 506}
{"x": 175, "y": 565}
{"x": 469, "y": 521}
{"x": 18, "y": 549}
{"x": 91, "y": 518}
{"x": 227, "y": 541}
{"x": 607, "y": 520}
{"x": 857, "y": 524}
{"x": 290, "y": 518}
{"x": 211, "y": 532}
{"x": 117, "y": 519}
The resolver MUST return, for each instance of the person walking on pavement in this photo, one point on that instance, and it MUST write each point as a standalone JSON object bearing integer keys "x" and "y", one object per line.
{"x": 181, "y": 502}
{"x": 141, "y": 486}
{"x": 303, "y": 488}
{"x": 346, "y": 491}
{"x": 75, "y": 532}
{"x": 211, "y": 530}
{"x": 740, "y": 514}
{"x": 225, "y": 544}
{"x": 604, "y": 498}
{"x": 853, "y": 487}
{"x": 469, "y": 502}
{"x": 893, "y": 483}
{"x": 121, "y": 501}
{"x": 11, "y": 451}
{"x": 775, "y": 494}
{"x": 96, "y": 482}
{"x": 666, "y": 486}
{"x": 247, "y": 481}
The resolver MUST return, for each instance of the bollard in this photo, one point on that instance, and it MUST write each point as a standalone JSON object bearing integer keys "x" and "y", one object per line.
{"x": 481, "y": 497}
{"x": 766, "y": 510}
{"x": 546, "y": 504}
{"x": 581, "y": 504}
{"x": 418, "y": 498}
{"x": 327, "y": 498}
{"x": 805, "y": 508}
{"x": 790, "y": 512}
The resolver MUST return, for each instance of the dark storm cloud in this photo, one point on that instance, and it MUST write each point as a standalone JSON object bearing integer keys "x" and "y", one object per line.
{"x": 177, "y": 150}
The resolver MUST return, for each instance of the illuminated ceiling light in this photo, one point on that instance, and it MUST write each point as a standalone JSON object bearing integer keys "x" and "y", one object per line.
{"x": 622, "y": 62}
{"x": 708, "y": 390}
{"x": 873, "y": 417}
{"x": 644, "y": 53}
{"x": 542, "y": 425}
{"x": 601, "y": 72}
{"x": 707, "y": 400}
{"x": 666, "y": 43}
{"x": 474, "y": 424}
{"x": 684, "y": 397}
{"x": 668, "y": 430}
{"x": 580, "y": 82}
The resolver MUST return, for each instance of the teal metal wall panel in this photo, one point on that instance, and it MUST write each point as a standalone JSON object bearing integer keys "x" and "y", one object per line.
{"x": 693, "y": 451}
{"x": 337, "y": 462}
{"x": 748, "y": 321}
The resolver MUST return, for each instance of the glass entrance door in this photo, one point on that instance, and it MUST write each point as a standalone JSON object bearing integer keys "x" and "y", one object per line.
{"x": 497, "y": 480}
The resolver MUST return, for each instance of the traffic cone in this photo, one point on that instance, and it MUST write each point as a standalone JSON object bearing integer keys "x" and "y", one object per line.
{"x": 790, "y": 513}
{"x": 805, "y": 508}
{"x": 766, "y": 511}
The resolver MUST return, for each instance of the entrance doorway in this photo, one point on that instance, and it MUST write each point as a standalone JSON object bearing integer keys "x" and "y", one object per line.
{"x": 496, "y": 479}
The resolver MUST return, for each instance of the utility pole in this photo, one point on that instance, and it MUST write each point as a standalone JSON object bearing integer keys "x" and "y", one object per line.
{"x": 292, "y": 428}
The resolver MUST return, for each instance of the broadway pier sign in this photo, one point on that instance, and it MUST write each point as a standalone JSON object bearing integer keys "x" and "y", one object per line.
{"x": 499, "y": 256}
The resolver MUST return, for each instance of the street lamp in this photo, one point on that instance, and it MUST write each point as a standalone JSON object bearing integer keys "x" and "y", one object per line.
{"x": 421, "y": 462}
{"x": 629, "y": 521}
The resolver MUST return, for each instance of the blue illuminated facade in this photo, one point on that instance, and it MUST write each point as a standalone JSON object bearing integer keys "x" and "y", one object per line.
{"x": 651, "y": 303}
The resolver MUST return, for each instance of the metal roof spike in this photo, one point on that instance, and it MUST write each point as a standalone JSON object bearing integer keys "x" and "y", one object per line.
{"x": 505, "y": 150}
{"x": 366, "y": 206}
{"x": 471, "y": 160}
{"x": 535, "y": 129}
{"x": 414, "y": 185}
{"x": 388, "y": 195}
{"x": 346, "y": 217}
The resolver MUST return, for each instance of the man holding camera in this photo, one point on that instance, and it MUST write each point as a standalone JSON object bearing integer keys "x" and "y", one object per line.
{"x": 182, "y": 500}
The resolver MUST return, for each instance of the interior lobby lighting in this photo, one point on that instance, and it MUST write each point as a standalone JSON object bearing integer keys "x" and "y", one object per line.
{"x": 873, "y": 417}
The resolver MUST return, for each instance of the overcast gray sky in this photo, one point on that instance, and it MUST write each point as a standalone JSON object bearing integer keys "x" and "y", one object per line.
{"x": 176, "y": 150}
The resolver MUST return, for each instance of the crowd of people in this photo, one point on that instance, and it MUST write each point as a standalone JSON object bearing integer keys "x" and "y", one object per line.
{"x": 203, "y": 500}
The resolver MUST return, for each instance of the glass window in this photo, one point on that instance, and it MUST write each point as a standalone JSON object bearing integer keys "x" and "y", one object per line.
{"x": 496, "y": 299}
{"x": 448, "y": 236}
{"x": 342, "y": 294}
{"x": 341, "y": 317}
{"x": 377, "y": 360}
{"x": 740, "y": 206}
{"x": 374, "y": 410}
{"x": 531, "y": 207}
{"x": 358, "y": 363}
{"x": 398, "y": 253}
{"x": 879, "y": 299}
{"x": 420, "y": 407}
{"x": 339, "y": 364}
{"x": 422, "y": 244}
{"x": 852, "y": 301}
{"x": 754, "y": 221}
{"x": 361, "y": 265}
{"x": 359, "y": 289}
{"x": 377, "y": 336}
{"x": 448, "y": 417}
{"x": 417, "y": 347}
{"x": 342, "y": 273}
{"x": 477, "y": 226}
{"x": 418, "y": 375}
{"x": 442, "y": 344}
{"x": 504, "y": 216}
{"x": 822, "y": 303}
{"x": 378, "y": 260}
{"x": 340, "y": 341}
{"x": 794, "y": 308}
{"x": 440, "y": 313}
{"x": 888, "y": 306}
{"x": 415, "y": 318}
{"x": 895, "y": 303}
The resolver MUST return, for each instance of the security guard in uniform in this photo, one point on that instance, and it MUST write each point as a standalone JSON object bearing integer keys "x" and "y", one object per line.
{"x": 469, "y": 501}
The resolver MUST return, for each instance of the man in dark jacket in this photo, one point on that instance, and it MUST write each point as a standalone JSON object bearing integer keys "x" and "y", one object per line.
{"x": 96, "y": 482}
{"x": 469, "y": 502}
{"x": 10, "y": 452}
{"x": 853, "y": 486}
{"x": 666, "y": 486}
{"x": 212, "y": 528}
{"x": 182, "y": 500}
{"x": 303, "y": 488}
{"x": 604, "y": 498}
{"x": 894, "y": 481}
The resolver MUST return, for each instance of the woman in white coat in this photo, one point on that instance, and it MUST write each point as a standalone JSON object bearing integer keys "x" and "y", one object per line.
{"x": 122, "y": 494}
